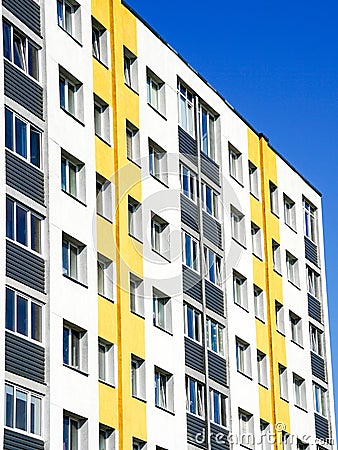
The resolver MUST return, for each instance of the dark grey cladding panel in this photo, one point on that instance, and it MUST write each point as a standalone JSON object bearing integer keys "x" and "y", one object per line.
{"x": 218, "y": 437}
{"x": 192, "y": 284}
{"x": 311, "y": 251}
{"x": 214, "y": 298}
{"x": 187, "y": 145}
{"x": 212, "y": 230}
{"x": 19, "y": 441}
{"x": 25, "y": 267}
{"x": 24, "y": 177}
{"x": 23, "y": 90}
{"x": 28, "y": 11}
{"x": 217, "y": 368}
{"x": 318, "y": 366}
{"x": 189, "y": 213}
{"x": 322, "y": 427}
{"x": 210, "y": 168}
{"x": 196, "y": 431}
{"x": 194, "y": 355}
{"x": 24, "y": 358}
{"x": 314, "y": 308}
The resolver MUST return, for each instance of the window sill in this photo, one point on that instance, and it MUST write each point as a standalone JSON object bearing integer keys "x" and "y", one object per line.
{"x": 260, "y": 258}
{"x": 246, "y": 309}
{"x": 170, "y": 333}
{"x": 26, "y": 338}
{"x": 239, "y": 243}
{"x": 107, "y": 384}
{"x": 101, "y": 62}
{"x": 25, "y": 159}
{"x": 260, "y": 319}
{"x": 191, "y": 135}
{"x": 210, "y": 215}
{"x": 131, "y": 88}
{"x": 295, "y": 285}
{"x": 263, "y": 386}
{"x": 141, "y": 316}
{"x": 274, "y": 213}
{"x": 105, "y": 141}
{"x": 281, "y": 332}
{"x": 278, "y": 272}
{"x": 237, "y": 181}
{"x": 249, "y": 377}
{"x": 25, "y": 247}
{"x": 134, "y": 162}
{"x": 291, "y": 227}
{"x": 302, "y": 408}
{"x": 191, "y": 268}
{"x": 71, "y": 36}
{"x": 86, "y": 374}
{"x": 161, "y": 255}
{"x": 74, "y": 198}
{"x": 136, "y": 238}
{"x": 159, "y": 180}
{"x": 105, "y": 218}
{"x": 24, "y": 433}
{"x": 298, "y": 344}
{"x": 215, "y": 353}
{"x": 75, "y": 281}
{"x": 165, "y": 410}
{"x": 256, "y": 197}
{"x": 72, "y": 116}
{"x": 109, "y": 299}
{"x": 157, "y": 111}
{"x": 143, "y": 400}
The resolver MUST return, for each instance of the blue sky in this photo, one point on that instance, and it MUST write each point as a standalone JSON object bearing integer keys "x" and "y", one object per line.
{"x": 277, "y": 64}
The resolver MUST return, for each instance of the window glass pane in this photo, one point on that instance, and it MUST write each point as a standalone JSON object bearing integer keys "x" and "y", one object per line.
{"x": 35, "y": 147}
{"x": 161, "y": 313}
{"x": 63, "y": 174}
{"x": 33, "y": 62}
{"x": 73, "y": 435}
{"x": 9, "y": 129}
{"x": 35, "y": 415}
{"x": 213, "y": 337}
{"x": 96, "y": 43}
{"x": 19, "y": 51}
{"x": 190, "y": 322}
{"x": 208, "y": 196}
{"x": 73, "y": 261}
{"x": 217, "y": 415}
{"x": 66, "y": 433}
{"x": 9, "y": 406}
{"x": 60, "y": 12}
{"x": 36, "y": 322}
{"x": 102, "y": 362}
{"x": 22, "y": 316}
{"x": 183, "y": 113}
{"x": 66, "y": 345}
{"x": 100, "y": 277}
{"x": 62, "y": 88}
{"x": 75, "y": 335}
{"x": 7, "y": 41}
{"x": 10, "y": 310}
{"x": 21, "y": 411}
{"x": 65, "y": 261}
{"x": 20, "y": 137}
{"x": 9, "y": 219}
{"x": 72, "y": 179}
{"x": 204, "y": 131}
{"x": 188, "y": 261}
{"x": 21, "y": 225}
{"x": 71, "y": 98}
{"x": 68, "y": 14}
{"x": 35, "y": 233}
{"x": 192, "y": 393}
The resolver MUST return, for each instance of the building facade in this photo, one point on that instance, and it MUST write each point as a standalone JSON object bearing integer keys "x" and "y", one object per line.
{"x": 164, "y": 285}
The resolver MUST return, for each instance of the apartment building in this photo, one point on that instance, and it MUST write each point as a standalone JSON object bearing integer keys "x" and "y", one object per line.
{"x": 164, "y": 285}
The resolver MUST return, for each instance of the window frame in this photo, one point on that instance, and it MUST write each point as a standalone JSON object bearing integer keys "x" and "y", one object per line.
{"x": 100, "y": 43}
{"x": 130, "y": 69}
{"x": 262, "y": 369}
{"x": 104, "y": 198}
{"x": 280, "y": 319}
{"x": 212, "y": 266}
{"x": 313, "y": 282}
{"x": 153, "y": 80}
{"x": 259, "y": 303}
{"x": 215, "y": 336}
{"x": 186, "y": 102}
{"x": 320, "y": 400}
{"x": 192, "y": 323}
{"x": 289, "y": 212}
{"x": 299, "y": 390}
{"x": 208, "y": 136}
{"x": 163, "y": 384}
{"x": 256, "y": 241}
{"x": 102, "y": 120}
{"x": 158, "y": 164}
{"x": 238, "y": 231}
{"x": 243, "y": 357}
{"x": 160, "y": 234}
{"x": 240, "y": 290}
{"x": 274, "y": 198}
{"x": 210, "y": 202}
{"x": 71, "y": 88}
{"x": 195, "y": 404}
{"x": 106, "y": 362}
{"x": 235, "y": 164}
{"x": 74, "y": 347}
{"x": 310, "y": 221}
{"x": 106, "y": 269}
{"x": 292, "y": 269}
{"x": 296, "y": 329}
{"x": 193, "y": 244}
{"x": 254, "y": 180}
{"x": 136, "y": 295}
{"x": 132, "y": 143}
{"x": 283, "y": 382}
{"x": 276, "y": 257}
{"x": 137, "y": 377}
{"x": 164, "y": 323}
{"x": 188, "y": 187}
{"x": 316, "y": 340}
{"x": 218, "y": 408}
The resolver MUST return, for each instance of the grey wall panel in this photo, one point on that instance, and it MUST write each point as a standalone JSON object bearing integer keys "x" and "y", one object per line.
{"x": 196, "y": 431}
{"x": 18, "y": 441}
{"x": 24, "y": 358}
{"x": 322, "y": 427}
{"x": 194, "y": 355}
{"x": 217, "y": 368}
{"x": 314, "y": 308}
{"x": 23, "y": 90}
{"x": 218, "y": 437}
{"x": 28, "y": 11}
{"x": 24, "y": 177}
{"x": 189, "y": 213}
{"x": 25, "y": 267}
{"x": 318, "y": 366}
{"x": 192, "y": 284}
{"x": 210, "y": 168}
{"x": 187, "y": 145}
{"x": 311, "y": 251}
{"x": 212, "y": 230}
{"x": 214, "y": 298}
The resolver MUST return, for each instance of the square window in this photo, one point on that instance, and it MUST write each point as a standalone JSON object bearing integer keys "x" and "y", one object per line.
{"x": 296, "y": 329}
{"x": 69, "y": 17}
{"x": 299, "y": 387}
{"x": 237, "y": 225}
{"x": 155, "y": 92}
{"x": 134, "y": 218}
{"x": 283, "y": 382}
{"x": 274, "y": 205}
{"x": 186, "y": 109}
{"x": 262, "y": 369}
{"x": 218, "y": 408}
{"x": 292, "y": 269}
{"x": 137, "y": 367}
{"x": 100, "y": 42}
{"x": 195, "y": 402}
{"x": 160, "y": 240}
{"x": 259, "y": 301}
{"x": 190, "y": 251}
{"x": 71, "y": 94}
{"x": 279, "y": 310}
{"x": 254, "y": 180}
{"x": 74, "y": 259}
{"x": 73, "y": 176}
{"x": 240, "y": 290}
{"x": 104, "y": 197}
{"x": 289, "y": 212}
{"x": 207, "y": 124}
{"x": 235, "y": 164}
{"x": 106, "y": 276}
{"x": 75, "y": 347}
{"x": 188, "y": 182}
{"x": 243, "y": 357}
{"x": 158, "y": 165}
{"x": 102, "y": 119}
{"x": 136, "y": 295}
{"x": 132, "y": 143}
{"x": 162, "y": 311}
{"x": 164, "y": 389}
{"x": 106, "y": 361}
{"x": 256, "y": 240}
{"x": 130, "y": 69}
{"x": 192, "y": 323}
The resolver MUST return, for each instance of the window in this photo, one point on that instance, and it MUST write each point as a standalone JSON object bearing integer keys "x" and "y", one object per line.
{"x": 296, "y": 329}
{"x": 194, "y": 396}
{"x": 23, "y": 225}
{"x": 256, "y": 238}
{"x": 138, "y": 444}
{"x": 218, "y": 408}
{"x": 286, "y": 441}
{"x": 213, "y": 269}
{"x": 276, "y": 257}
{"x": 210, "y": 200}
{"x": 313, "y": 282}
{"x": 235, "y": 164}
{"x": 310, "y": 220}
{"x": 237, "y": 225}
{"x": 105, "y": 277}
{"x": 158, "y": 166}
{"x": 160, "y": 236}
{"x": 283, "y": 382}
{"x": 71, "y": 97}
{"x": 243, "y": 357}
{"x": 292, "y": 269}
{"x": 74, "y": 258}
{"x": 262, "y": 369}
{"x": 207, "y": 132}
{"x": 164, "y": 389}
{"x": 23, "y": 315}
{"x": 22, "y": 138}
{"x": 162, "y": 311}
{"x": 316, "y": 340}
{"x": 106, "y": 438}
{"x": 190, "y": 253}
{"x": 246, "y": 428}
{"x": 104, "y": 197}
{"x": 265, "y": 443}
{"x": 137, "y": 374}
{"x": 215, "y": 336}
{"x": 73, "y": 176}
{"x": 186, "y": 109}
{"x": 301, "y": 445}
{"x": 155, "y": 92}
{"x": 73, "y": 432}
{"x": 23, "y": 410}
{"x": 132, "y": 142}
{"x": 192, "y": 323}
{"x": 69, "y": 17}
{"x": 20, "y": 50}
{"x": 136, "y": 296}
{"x": 320, "y": 400}
{"x": 130, "y": 69}
{"x": 106, "y": 361}
{"x": 254, "y": 180}
{"x": 134, "y": 218}
{"x": 101, "y": 119}
{"x": 188, "y": 183}
{"x": 259, "y": 302}
{"x": 240, "y": 290}
{"x": 279, "y": 310}
{"x": 299, "y": 391}
{"x": 74, "y": 347}
{"x": 274, "y": 206}
{"x": 289, "y": 212}
{"x": 100, "y": 44}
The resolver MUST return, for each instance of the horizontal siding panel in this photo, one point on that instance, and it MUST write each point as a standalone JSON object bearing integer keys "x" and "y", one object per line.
{"x": 214, "y": 298}
{"x": 23, "y": 90}
{"x": 314, "y": 308}
{"x": 196, "y": 431}
{"x": 212, "y": 230}
{"x": 194, "y": 355}
{"x": 192, "y": 284}
{"x": 210, "y": 168}
{"x": 311, "y": 251}
{"x": 189, "y": 213}
{"x": 218, "y": 437}
{"x": 28, "y": 11}
{"x": 217, "y": 368}
{"x": 25, "y": 267}
{"x": 187, "y": 145}
{"x": 318, "y": 366}
{"x": 24, "y": 177}
{"x": 322, "y": 427}
{"x": 18, "y": 441}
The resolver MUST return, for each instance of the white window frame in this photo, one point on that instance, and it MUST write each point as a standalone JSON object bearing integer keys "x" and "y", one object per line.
{"x": 76, "y": 431}
{"x": 280, "y": 321}
{"x": 292, "y": 268}
{"x": 262, "y": 369}
{"x": 71, "y": 95}
{"x": 136, "y": 295}
{"x": 69, "y": 166}
{"x": 299, "y": 388}
{"x": 102, "y": 119}
{"x": 134, "y": 218}
{"x": 130, "y": 69}
{"x": 276, "y": 257}
{"x": 246, "y": 429}
{"x": 310, "y": 213}
{"x": 215, "y": 336}
{"x": 274, "y": 199}
{"x": 283, "y": 382}
{"x": 259, "y": 303}
{"x": 254, "y": 180}
{"x": 320, "y": 400}
{"x": 186, "y": 103}
{"x": 76, "y": 254}
{"x": 73, "y": 28}
{"x": 316, "y": 340}
{"x": 106, "y": 274}
{"x": 296, "y": 329}
{"x": 313, "y": 282}
{"x": 195, "y": 403}
{"x": 158, "y": 164}
{"x": 243, "y": 357}
{"x": 137, "y": 377}
{"x": 160, "y": 235}
{"x": 188, "y": 183}
{"x": 210, "y": 200}
{"x": 100, "y": 43}
{"x": 156, "y": 92}
{"x": 104, "y": 197}
{"x": 212, "y": 266}
{"x": 240, "y": 290}
{"x": 235, "y": 164}
{"x": 75, "y": 344}
{"x": 162, "y": 314}
{"x": 106, "y": 361}
{"x": 218, "y": 408}
{"x": 132, "y": 143}
{"x": 193, "y": 329}
{"x": 256, "y": 240}
{"x": 237, "y": 226}
{"x": 208, "y": 136}
{"x": 106, "y": 437}
{"x": 164, "y": 389}
{"x": 289, "y": 212}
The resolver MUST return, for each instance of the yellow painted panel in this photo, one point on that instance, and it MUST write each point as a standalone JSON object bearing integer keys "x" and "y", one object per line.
{"x": 101, "y": 12}
{"x": 108, "y": 398}
{"x": 104, "y": 159}
{"x": 265, "y": 404}
{"x": 105, "y": 238}
{"x": 107, "y": 320}
{"x": 102, "y": 82}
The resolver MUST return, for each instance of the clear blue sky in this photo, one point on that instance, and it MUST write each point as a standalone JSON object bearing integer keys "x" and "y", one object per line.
{"x": 277, "y": 64}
